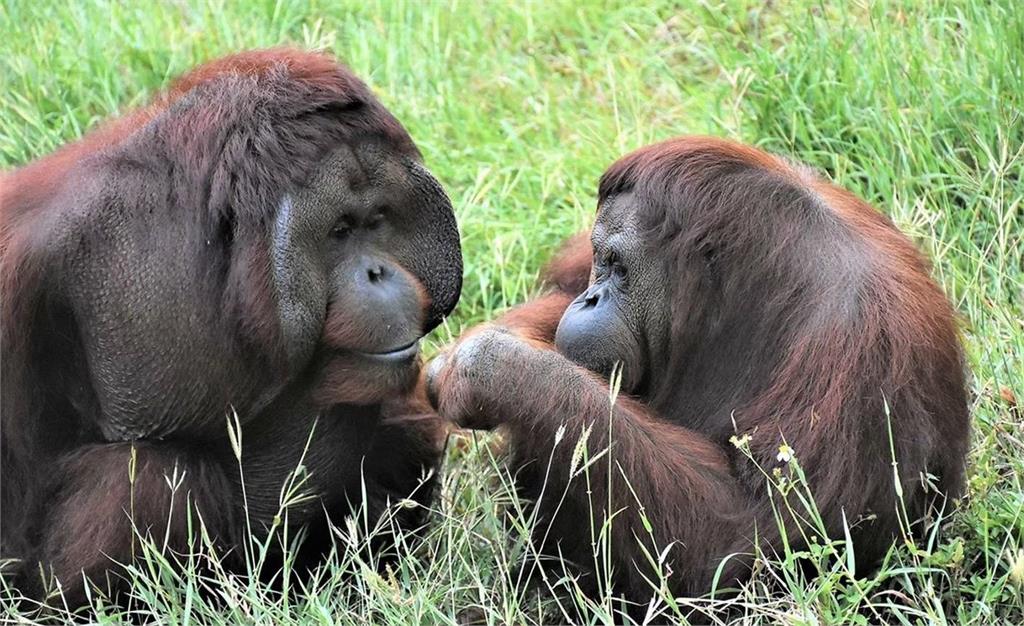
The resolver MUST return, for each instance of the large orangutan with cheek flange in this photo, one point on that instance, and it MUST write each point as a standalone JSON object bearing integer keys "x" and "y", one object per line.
{"x": 262, "y": 241}
{"x": 747, "y": 301}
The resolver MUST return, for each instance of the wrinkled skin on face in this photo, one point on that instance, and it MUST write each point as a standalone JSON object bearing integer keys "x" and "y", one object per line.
{"x": 367, "y": 256}
{"x": 621, "y": 317}
{"x": 364, "y": 259}
{"x": 747, "y": 299}
{"x": 260, "y": 246}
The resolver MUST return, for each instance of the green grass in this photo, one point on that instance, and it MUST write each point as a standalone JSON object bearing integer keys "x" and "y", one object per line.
{"x": 518, "y": 108}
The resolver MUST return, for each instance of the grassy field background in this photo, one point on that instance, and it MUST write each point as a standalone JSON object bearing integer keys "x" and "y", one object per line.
{"x": 518, "y": 107}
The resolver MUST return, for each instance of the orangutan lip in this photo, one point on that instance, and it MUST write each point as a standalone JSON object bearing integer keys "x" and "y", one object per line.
{"x": 399, "y": 354}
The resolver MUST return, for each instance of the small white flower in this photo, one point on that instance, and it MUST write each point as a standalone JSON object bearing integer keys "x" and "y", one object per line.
{"x": 785, "y": 454}
{"x": 740, "y": 442}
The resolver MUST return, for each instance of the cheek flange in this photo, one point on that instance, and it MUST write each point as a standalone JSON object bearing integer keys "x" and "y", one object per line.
{"x": 299, "y": 283}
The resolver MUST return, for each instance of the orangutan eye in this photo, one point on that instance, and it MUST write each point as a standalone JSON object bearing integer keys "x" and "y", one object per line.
{"x": 342, "y": 229}
{"x": 615, "y": 264}
{"x": 374, "y": 221}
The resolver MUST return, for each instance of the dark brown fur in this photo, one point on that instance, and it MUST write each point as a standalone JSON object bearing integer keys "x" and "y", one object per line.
{"x": 818, "y": 313}
{"x": 66, "y": 495}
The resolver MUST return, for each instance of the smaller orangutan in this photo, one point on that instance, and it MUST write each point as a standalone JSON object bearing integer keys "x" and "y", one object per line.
{"x": 748, "y": 302}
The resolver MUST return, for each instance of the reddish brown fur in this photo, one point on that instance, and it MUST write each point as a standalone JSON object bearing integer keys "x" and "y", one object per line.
{"x": 820, "y": 315}
{"x": 168, "y": 485}
{"x": 65, "y": 503}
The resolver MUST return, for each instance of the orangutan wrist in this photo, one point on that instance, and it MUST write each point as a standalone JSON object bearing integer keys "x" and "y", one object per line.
{"x": 547, "y": 390}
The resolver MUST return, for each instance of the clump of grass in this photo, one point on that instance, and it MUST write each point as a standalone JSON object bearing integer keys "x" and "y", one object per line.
{"x": 518, "y": 108}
